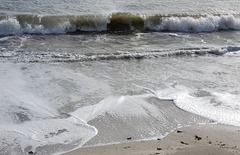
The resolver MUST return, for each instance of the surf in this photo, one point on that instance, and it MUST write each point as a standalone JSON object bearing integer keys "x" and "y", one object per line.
{"x": 117, "y": 22}
{"x": 120, "y": 55}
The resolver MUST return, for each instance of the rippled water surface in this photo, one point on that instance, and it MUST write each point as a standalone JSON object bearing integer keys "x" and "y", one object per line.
{"x": 81, "y": 73}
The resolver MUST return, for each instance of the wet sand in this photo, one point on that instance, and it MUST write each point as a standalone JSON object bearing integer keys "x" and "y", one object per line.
{"x": 212, "y": 139}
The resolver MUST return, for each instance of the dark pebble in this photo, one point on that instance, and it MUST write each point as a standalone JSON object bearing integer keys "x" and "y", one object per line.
{"x": 197, "y": 137}
{"x": 184, "y": 143}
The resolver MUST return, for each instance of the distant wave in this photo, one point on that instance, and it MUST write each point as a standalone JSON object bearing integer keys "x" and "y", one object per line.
{"x": 126, "y": 55}
{"x": 116, "y": 22}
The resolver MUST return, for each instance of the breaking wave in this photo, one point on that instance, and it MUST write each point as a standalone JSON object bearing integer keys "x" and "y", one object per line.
{"x": 116, "y": 22}
{"x": 124, "y": 55}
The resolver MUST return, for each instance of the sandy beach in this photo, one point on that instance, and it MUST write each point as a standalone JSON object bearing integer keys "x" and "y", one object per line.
{"x": 207, "y": 139}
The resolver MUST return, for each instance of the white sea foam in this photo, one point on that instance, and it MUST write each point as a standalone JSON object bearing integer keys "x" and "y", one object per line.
{"x": 17, "y": 97}
{"x": 31, "y": 93}
{"x": 29, "y": 115}
{"x": 92, "y": 92}
{"x": 123, "y": 106}
{"x": 203, "y": 24}
{"x": 60, "y": 25}
{"x": 46, "y": 132}
{"x": 45, "y": 103}
{"x": 11, "y": 26}
{"x": 40, "y": 29}
{"x": 220, "y": 106}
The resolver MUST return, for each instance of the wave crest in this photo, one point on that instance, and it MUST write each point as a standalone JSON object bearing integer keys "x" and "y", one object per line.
{"x": 202, "y": 24}
{"x": 116, "y": 22}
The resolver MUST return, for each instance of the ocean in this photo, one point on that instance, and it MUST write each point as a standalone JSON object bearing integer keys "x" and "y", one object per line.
{"x": 77, "y": 73}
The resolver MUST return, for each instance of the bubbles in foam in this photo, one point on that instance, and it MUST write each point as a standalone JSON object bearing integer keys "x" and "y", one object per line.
{"x": 9, "y": 26}
{"x": 203, "y": 24}
{"x": 30, "y": 114}
{"x": 31, "y": 24}
{"x": 46, "y": 132}
{"x": 220, "y": 106}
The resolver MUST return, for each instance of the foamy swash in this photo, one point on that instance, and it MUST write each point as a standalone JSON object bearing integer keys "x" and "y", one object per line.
{"x": 117, "y": 22}
{"x": 68, "y": 57}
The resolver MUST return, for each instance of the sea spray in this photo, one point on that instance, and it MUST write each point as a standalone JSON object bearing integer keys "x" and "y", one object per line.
{"x": 116, "y": 22}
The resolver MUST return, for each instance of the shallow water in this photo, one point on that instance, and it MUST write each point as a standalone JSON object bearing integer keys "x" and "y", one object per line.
{"x": 102, "y": 71}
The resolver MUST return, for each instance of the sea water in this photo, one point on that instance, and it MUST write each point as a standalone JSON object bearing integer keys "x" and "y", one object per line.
{"x": 82, "y": 73}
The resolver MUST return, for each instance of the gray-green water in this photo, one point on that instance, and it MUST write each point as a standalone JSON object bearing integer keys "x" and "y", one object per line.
{"x": 79, "y": 73}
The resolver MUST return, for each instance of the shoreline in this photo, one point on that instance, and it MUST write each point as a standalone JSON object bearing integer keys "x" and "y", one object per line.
{"x": 201, "y": 139}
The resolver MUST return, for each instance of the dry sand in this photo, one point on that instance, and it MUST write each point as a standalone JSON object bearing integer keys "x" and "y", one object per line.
{"x": 209, "y": 139}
